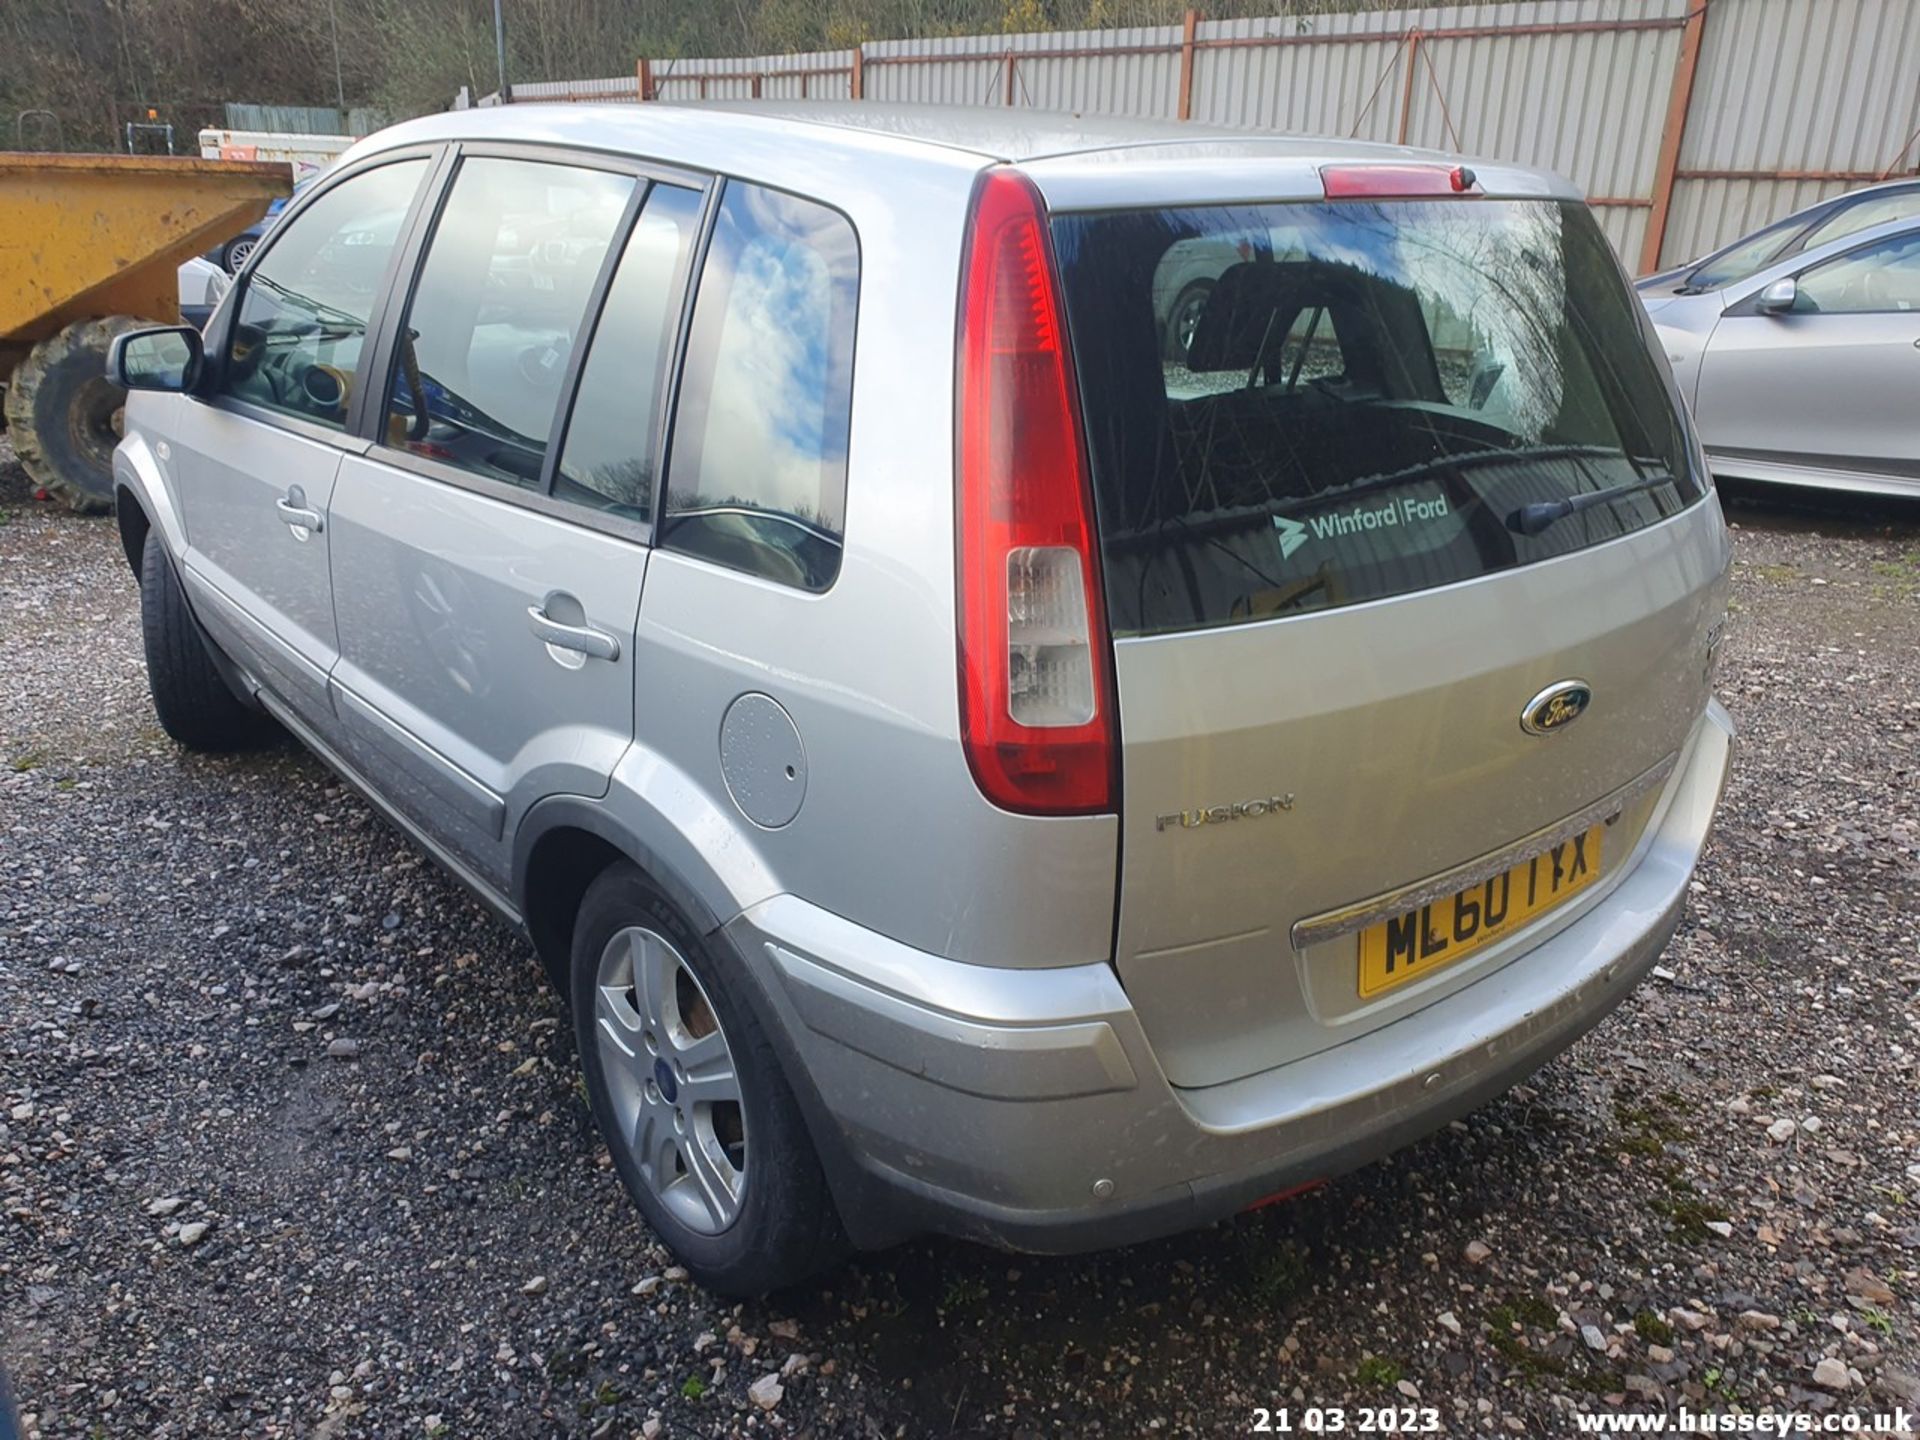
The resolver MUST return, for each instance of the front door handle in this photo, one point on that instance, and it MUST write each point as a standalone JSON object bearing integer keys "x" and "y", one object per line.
{"x": 295, "y": 511}
{"x": 582, "y": 639}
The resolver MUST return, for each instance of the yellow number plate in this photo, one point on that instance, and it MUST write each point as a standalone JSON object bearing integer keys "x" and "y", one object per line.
{"x": 1422, "y": 941}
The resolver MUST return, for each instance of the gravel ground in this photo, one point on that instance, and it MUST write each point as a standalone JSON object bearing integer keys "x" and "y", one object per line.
{"x": 292, "y": 1143}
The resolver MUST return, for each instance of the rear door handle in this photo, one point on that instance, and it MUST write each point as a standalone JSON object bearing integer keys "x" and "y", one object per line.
{"x": 295, "y": 511}
{"x": 582, "y": 639}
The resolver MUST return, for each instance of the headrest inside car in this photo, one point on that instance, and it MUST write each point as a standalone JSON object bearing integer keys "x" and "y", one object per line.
{"x": 1254, "y": 295}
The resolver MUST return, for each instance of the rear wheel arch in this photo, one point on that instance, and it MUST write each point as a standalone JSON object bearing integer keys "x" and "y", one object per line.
{"x": 567, "y": 842}
{"x": 560, "y": 849}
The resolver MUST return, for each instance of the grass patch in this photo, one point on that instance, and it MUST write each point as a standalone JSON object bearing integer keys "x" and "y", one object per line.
{"x": 1688, "y": 1214}
{"x": 1776, "y": 574}
{"x": 1272, "y": 1274}
{"x": 963, "y": 1292}
{"x": 692, "y": 1388}
{"x": 1653, "y": 1120}
{"x": 1899, "y": 579}
{"x": 1906, "y": 568}
{"x": 1526, "y": 1310}
{"x": 1531, "y": 1312}
{"x": 1378, "y": 1372}
{"x": 1652, "y": 1329}
{"x": 567, "y": 1363}
{"x": 1538, "y": 1366}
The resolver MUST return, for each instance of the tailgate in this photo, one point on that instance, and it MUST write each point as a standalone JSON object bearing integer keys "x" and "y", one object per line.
{"x": 1395, "y": 729}
{"x": 1377, "y": 479}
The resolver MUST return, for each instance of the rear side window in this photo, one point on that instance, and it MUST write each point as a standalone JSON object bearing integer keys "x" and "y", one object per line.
{"x": 1364, "y": 402}
{"x": 606, "y": 462}
{"x": 758, "y": 476}
{"x": 302, "y": 326}
{"x": 500, "y": 303}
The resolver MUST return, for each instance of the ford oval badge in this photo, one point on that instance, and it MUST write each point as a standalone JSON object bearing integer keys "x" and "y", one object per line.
{"x": 1556, "y": 707}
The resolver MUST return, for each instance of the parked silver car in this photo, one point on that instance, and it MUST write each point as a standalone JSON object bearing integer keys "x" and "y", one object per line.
{"x": 969, "y": 769}
{"x": 1783, "y": 240}
{"x": 1806, "y": 370}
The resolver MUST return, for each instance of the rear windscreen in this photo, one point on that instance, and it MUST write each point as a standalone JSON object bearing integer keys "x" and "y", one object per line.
{"x": 1296, "y": 406}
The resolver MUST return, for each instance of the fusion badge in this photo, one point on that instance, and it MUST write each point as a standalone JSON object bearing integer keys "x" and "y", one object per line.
{"x": 1218, "y": 814}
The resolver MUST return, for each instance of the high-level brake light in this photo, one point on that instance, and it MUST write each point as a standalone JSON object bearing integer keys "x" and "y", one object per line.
{"x": 1397, "y": 181}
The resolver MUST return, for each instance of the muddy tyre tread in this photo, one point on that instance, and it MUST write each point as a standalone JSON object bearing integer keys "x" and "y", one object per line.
{"x": 36, "y": 416}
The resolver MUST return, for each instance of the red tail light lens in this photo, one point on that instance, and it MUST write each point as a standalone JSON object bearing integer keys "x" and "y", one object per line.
{"x": 1036, "y": 714}
{"x": 1397, "y": 181}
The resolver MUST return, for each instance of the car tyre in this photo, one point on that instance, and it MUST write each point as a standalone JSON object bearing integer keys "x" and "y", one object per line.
{"x": 234, "y": 254}
{"x": 63, "y": 413}
{"x": 1183, "y": 319}
{"x": 195, "y": 704}
{"x": 687, "y": 1091}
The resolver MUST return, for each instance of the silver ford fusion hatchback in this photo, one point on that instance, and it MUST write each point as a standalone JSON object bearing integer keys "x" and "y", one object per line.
{"x": 1038, "y": 678}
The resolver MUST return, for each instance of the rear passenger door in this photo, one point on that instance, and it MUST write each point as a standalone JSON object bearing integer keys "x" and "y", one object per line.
{"x": 489, "y": 549}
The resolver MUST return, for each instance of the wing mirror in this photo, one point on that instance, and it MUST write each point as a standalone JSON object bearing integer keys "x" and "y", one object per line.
{"x": 167, "y": 359}
{"x": 1779, "y": 297}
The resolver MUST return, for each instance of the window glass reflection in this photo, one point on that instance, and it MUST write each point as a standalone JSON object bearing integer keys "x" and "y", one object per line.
{"x": 1306, "y": 405}
{"x": 501, "y": 298}
{"x": 302, "y": 324}
{"x": 758, "y": 478}
{"x": 1879, "y": 279}
{"x": 607, "y": 460}
{"x": 1864, "y": 216}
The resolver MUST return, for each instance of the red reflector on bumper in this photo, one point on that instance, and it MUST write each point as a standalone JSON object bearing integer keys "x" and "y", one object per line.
{"x": 1279, "y": 1195}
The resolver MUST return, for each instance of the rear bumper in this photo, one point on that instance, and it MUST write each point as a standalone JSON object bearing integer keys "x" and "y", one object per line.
{"x": 1025, "y": 1107}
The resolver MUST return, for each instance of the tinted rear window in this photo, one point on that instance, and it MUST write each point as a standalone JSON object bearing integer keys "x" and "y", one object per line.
{"x": 1297, "y": 406}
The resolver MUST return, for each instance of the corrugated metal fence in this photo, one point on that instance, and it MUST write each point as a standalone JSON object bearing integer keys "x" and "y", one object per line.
{"x": 1688, "y": 122}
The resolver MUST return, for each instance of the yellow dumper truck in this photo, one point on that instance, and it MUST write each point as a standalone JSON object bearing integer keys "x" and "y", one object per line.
{"x": 90, "y": 246}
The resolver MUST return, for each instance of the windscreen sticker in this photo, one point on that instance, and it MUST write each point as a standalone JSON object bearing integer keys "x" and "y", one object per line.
{"x": 1406, "y": 510}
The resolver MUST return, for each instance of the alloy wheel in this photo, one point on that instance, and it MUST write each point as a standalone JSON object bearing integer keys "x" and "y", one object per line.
{"x": 671, "y": 1078}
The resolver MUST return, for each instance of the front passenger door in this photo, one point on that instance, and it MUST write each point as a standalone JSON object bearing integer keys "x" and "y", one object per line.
{"x": 1831, "y": 385}
{"x": 256, "y": 458}
{"x": 489, "y": 549}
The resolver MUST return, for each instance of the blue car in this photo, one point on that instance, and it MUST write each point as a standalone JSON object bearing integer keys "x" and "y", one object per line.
{"x": 233, "y": 254}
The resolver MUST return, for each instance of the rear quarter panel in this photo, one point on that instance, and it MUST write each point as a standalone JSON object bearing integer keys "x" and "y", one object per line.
{"x": 893, "y": 833}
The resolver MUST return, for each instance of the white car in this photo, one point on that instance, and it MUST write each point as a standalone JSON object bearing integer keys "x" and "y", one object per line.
{"x": 202, "y": 286}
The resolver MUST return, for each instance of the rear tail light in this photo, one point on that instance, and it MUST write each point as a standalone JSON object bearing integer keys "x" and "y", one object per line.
{"x": 1397, "y": 181}
{"x": 1036, "y": 717}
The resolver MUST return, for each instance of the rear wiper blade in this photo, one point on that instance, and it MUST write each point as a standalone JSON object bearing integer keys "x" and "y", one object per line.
{"x": 1542, "y": 514}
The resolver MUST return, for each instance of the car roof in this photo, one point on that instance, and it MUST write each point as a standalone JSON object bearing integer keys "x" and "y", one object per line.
{"x": 1016, "y": 135}
{"x": 703, "y": 134}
